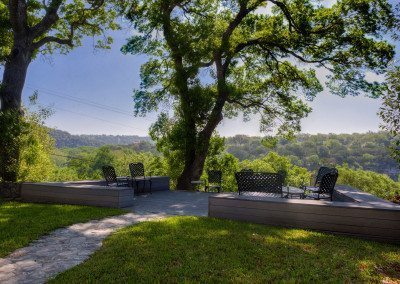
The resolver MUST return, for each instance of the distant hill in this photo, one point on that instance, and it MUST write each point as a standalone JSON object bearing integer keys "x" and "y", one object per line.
{"x": 64, "y": 139}
{"x": 366, "y": 150}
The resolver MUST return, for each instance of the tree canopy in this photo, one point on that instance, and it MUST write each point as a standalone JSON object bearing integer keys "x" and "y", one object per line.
{"x": 210, "y": 59}
{"x": 55, "y": 25}
{"x": 32, "y": 27}
{"x": 390, "y": 111}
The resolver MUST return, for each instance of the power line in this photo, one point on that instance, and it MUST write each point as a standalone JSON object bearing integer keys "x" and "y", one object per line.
{"x": 84, "y": 101}
{"x": 100, "y": 119}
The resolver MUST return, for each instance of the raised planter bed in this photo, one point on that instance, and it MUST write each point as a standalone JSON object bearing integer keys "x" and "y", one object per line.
{"x": 95, "y": 193}
{"x": 363, "y": 215}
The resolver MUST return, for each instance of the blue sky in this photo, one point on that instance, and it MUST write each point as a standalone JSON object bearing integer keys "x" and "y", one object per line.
{"x": 108, "y": 78}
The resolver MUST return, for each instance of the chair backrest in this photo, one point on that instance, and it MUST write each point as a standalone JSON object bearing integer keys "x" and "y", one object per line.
{"x": 136, "y": 169}
{"x": 214, "y": 176}
{"x": 328, "y": 182}
{"x": 321, "y": 172}
{"x": 109, "y": 174}
{"x": 259, "y": 182}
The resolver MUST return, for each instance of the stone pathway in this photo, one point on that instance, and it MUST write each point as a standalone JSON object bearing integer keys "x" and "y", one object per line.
{"x": 68, "y": 247}
{"x": 62, "y": 249}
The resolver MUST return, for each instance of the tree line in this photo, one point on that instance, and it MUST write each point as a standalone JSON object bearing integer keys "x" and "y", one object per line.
{"x": 42, "y": 161}
{"x": 368, "y": 151}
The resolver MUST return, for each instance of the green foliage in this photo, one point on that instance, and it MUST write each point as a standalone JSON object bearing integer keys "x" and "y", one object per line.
{"x": 256, "y": 50}
{"x": 22, "y": 223}
{"x": 217, "y": 59}
{"x": 36, "y": 146}
{"x": 27, "y": 135}
{"x": 362, "y": 151}
{"x": 272, "y": 162}
{"x": 64, "y": 139}
{"x": 390, "y": 111}
{"x": 219, "y": 159}
{"x": 377, "y": 184}
{"x": 5, "y": 36}
{"x": 12, "y": 125}
{"x": 59, "y": 25}
{"x": 207, "y": 250}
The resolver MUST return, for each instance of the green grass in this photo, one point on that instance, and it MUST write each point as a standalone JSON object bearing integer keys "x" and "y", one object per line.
{"x": 192, "y": 249}
{"x": 21, "y": 223}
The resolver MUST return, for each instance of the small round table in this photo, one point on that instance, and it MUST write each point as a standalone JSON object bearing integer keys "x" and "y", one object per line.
{"x": 293, "y": 192}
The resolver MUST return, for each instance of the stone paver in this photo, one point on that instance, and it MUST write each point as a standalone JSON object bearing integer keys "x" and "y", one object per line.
{"x": 68, "y": 247}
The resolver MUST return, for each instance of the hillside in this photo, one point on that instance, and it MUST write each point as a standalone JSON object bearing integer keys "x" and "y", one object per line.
{"x": 64, "y": 139}
{"x": 367, "y": 150}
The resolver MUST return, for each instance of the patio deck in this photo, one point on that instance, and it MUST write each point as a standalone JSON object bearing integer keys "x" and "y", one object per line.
{"x": 363, "y": 215}
{"x": 91, "y": 192}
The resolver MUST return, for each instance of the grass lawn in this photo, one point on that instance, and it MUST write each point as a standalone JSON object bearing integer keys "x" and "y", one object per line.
{"x": 21, "y": 223}
{"x": 192, "y": 249}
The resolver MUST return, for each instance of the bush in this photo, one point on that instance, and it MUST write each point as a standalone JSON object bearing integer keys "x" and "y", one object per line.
{"x": 377, "y": 184}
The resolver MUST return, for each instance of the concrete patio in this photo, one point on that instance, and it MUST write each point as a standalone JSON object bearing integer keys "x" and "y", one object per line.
{"x": 172, "y": 203}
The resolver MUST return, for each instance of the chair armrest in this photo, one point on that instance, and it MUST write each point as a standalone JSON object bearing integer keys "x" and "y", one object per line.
{"x": 123, "y": 178}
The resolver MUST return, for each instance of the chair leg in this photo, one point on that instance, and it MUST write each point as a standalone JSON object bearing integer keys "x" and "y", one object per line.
{"x": 137, "y": 187}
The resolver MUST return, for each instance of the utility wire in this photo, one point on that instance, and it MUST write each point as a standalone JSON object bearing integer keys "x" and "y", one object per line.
{"x": 83, "y": 101}
{"x": 100, "y": 119}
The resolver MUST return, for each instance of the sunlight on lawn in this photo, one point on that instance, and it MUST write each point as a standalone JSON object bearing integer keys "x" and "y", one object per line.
{"x": 194, "y": 249}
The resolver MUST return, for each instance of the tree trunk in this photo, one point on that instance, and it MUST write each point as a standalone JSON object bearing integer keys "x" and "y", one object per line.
{"x": 193, "y": 168}
{"x": 194, "y": 163}
{"x": 12, "y": 84}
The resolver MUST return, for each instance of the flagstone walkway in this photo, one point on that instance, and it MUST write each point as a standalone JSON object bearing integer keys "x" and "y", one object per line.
{"x": 68, "y": 247}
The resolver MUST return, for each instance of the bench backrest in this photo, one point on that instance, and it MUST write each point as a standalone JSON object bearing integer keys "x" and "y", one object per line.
{"x": 259, "y": 182}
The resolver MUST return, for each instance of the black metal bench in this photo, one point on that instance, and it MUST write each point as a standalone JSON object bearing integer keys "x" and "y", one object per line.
{"x": 259, "y": 182}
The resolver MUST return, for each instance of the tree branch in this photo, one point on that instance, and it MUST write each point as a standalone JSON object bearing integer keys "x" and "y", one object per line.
{"x": 49, "y": 19}
{"x": 18, "y": 15}
{"x": 48, "y": 39}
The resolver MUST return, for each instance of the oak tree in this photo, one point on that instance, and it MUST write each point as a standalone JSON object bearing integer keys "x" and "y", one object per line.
{"x": 210, "y": 59}
{"x": 32, "y": 27}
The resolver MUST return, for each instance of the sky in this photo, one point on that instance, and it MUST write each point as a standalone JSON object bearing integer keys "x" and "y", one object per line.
{"x": 91, "y": 93}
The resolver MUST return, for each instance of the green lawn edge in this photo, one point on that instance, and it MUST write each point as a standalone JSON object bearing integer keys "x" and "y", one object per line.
{"x": 201, "y": 249}
{"x": 21, "y": 223}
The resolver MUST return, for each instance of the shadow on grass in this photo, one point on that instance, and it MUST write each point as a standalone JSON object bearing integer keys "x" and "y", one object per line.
{"x": 207, "y": 250}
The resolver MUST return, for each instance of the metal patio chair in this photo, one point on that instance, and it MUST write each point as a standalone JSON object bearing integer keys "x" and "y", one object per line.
{"x": 111, "y": 177}
{"x": 138, "y": 176}
{"x": 325, "y": 188}
{"x": 321, "y": 171}
{"x": 214, "y": 180}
